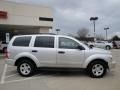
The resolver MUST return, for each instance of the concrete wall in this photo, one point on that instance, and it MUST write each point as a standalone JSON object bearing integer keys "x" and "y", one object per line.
{"x": 44, "y": 30}
{"x": 24, "y": 14}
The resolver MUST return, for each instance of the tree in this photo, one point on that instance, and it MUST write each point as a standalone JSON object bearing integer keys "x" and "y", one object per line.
{"x": 115, "y": 38}
{"x": 82, "y": 33}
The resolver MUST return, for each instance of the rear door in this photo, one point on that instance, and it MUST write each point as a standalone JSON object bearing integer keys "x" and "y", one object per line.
{"x": 44, "y": 49}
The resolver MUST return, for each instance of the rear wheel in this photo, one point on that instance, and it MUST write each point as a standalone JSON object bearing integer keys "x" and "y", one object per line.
{"x": 97, "y": 69}
{"x": 26, "y": 68}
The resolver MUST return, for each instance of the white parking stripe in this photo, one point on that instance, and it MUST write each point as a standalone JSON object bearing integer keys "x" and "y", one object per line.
{"x": 10, "y": 66}
{"x": 3, "y": 75}
{"x": 11, "y": 75}
{"x": 21, "y": 80}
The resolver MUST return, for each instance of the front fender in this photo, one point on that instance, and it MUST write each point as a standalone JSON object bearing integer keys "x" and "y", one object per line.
{"x": 94, "y": 57}
{"x": 28, "y": 55}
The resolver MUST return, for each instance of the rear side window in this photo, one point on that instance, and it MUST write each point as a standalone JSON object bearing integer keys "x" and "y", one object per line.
{"x": 44, "y": 41}
{"x": 22, "y": 41}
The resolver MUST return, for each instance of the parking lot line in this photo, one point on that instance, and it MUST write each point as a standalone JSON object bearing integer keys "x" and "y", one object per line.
{"x": 3, "y": 74}
{"x": 10, "y": 66}
{"x": 3, "y": 77}
{"x": 18, "y": 80}
{"x": 11, "y": 75}
{"x": 29, "y": 78}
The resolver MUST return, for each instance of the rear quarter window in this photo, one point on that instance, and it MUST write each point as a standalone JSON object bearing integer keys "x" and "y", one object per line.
{"x": 22, "y": 41}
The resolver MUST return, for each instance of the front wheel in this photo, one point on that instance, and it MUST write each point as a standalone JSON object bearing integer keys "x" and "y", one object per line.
{"x": 97, "y": 69}
{"x": 26, "y": 68}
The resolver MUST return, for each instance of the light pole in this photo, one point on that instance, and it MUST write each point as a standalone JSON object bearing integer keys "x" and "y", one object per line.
{"x": 106, "y": 32}
{"x": 94, "y": 19}
{"x": 57, "y": 30}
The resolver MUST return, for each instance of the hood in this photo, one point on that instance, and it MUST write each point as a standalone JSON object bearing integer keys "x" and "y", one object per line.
{"x": 100, "y": 51}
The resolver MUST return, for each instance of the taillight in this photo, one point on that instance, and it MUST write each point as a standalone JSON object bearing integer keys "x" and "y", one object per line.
{"x": 6, "y": 54}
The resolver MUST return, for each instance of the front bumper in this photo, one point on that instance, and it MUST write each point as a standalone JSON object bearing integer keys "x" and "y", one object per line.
{"x": 111, "y": 65}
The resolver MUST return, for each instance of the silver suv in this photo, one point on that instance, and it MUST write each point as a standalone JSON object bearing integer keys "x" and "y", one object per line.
{"x": 28, "y": 52}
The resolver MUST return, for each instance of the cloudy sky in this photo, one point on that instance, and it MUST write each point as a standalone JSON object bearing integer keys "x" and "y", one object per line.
{"x": 71, "y": 15}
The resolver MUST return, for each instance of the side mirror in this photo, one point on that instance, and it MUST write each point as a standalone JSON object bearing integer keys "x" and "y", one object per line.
{"x": 81, "y": 48}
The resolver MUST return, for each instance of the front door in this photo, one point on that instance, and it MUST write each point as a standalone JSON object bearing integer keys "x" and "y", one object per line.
{"x": 68, "y": 53}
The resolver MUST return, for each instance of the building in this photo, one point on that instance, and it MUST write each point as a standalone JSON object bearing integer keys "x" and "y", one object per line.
{"x": 17, "y": 18}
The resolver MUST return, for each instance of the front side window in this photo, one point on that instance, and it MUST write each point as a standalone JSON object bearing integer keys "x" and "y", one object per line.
{"x": 44, "y": 41}
{"x": 22, "y": 41}
{"x": 67, "y": 43}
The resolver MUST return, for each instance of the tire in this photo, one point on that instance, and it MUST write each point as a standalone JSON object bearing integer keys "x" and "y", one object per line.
{"x": 91, "y": 46}
{"x": 26, "y": 68}
{"x": 108, "y": 47}
{"x": 97, "y": 69}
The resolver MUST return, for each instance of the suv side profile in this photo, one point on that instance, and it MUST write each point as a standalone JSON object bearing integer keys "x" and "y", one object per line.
{"x": 29, "y": 52}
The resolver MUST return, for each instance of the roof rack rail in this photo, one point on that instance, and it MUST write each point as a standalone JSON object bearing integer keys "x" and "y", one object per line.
{"x": 48, "y": 33}
{"x": 38, "y": 33}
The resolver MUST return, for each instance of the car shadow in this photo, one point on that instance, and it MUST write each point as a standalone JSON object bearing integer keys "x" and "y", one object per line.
{"x": 61, "y": 73}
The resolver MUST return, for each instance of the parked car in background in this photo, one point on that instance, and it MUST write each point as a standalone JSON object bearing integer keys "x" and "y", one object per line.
{"x": 116, "y": 44}
{"x": 28, "y": 52}
{"x": 101, "y": 44}
{"x": 3, "y": 46}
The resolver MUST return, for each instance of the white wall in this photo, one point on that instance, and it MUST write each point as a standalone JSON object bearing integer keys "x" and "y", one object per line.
{"x": 23, "y": 14}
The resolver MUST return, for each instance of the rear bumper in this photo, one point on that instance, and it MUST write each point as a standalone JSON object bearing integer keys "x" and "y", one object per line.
{"x": 10, "y": 62}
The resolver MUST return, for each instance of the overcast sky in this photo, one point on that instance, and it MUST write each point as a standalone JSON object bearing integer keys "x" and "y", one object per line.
{"x": 71, "y": 15}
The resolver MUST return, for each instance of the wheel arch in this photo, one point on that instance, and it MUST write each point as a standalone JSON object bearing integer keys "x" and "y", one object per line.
{"x": 26, "y": 55}
{"x": 24, "y": 58}
{"x": 101, "y": 60}
{"x": 92, "y": 58}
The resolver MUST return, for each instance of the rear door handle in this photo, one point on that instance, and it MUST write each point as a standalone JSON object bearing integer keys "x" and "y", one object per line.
{"x": 34, "y": 51}
{"x": 61, "y": 52}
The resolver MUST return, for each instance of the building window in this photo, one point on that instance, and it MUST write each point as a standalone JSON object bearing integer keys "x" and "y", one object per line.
{"x": 45, "y": 19}
{"x": 43, "y": 41}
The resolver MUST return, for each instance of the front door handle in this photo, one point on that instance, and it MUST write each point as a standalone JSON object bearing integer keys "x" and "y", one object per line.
{"x": 34, "y": 51}
{"x": 61, "y": 52}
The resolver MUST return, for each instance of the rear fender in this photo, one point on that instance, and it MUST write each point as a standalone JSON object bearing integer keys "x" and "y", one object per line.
{"x": 28, "y": 55}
